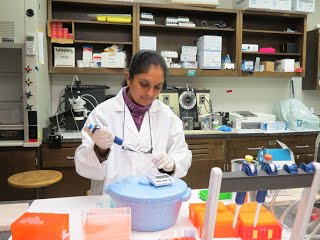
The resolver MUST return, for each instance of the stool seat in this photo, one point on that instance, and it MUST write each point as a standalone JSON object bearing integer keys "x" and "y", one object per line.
{"x": 35, "y": 179}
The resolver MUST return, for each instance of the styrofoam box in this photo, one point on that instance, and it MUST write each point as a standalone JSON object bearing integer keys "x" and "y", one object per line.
{"x": 209, "y": 59}
{"x": 252, "y": 4}
{"x": 148, "y": 43}
{"x": 281, "y": 5}
{"x": 284, "y": 65}
{"x": 189, "y": 50}
{"x": 197, "y": 2}
{"x": 304, "y": 6}
{"x": 209, "y": 43}
{"x": 64, "y": 56}
{"x": 188, "y": 57}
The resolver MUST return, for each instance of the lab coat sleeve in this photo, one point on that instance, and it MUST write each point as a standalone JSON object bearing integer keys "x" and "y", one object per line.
{"x": 178, "y": 148}
{"x": 86, "y": 161}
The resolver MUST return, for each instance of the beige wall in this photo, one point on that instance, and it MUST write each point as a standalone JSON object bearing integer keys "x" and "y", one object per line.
{"x": 255, "y": 94}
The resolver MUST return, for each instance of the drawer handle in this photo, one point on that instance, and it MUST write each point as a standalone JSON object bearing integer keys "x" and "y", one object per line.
{"x": 303, "y": 146}
{"x": 254, "y": 149}
{"x": 70, "y": 158}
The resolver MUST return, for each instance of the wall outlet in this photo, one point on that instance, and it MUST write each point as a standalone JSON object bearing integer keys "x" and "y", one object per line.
{"x": 202, "y": 99}
{"x": 165, "y": 99}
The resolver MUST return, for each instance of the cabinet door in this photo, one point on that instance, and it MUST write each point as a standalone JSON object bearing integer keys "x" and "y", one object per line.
{"x": 206, "y": 154}
{"x": 72, "y": 184}
{"x": 239, "y": 147}
{"x": 12, "y": 161}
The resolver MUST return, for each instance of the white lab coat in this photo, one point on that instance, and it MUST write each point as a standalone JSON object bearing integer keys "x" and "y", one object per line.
{"x": 167, "y": 136}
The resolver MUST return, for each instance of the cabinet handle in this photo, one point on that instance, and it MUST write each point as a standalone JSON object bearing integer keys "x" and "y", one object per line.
{"x": 70, "y": 158}
{"x": 253, "y": 149}
{"x": 303, "y": 146}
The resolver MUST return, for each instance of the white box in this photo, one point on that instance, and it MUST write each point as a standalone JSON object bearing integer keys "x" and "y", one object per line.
{"x": 113, "y": 60}
{"x": 189, "y": 64}
{"x": 64, "y": 56}
{"x": 284, "y": 65}
{"x": 304, "y": 6}
{"x": 209, "y": 43}
{"x": 209, "y": 59}
{"x": 188, "y": 57}
{"x": 148, "y": 43}
{"x": 281, "y": 5}
{"x": 189, "y": 50}
{"x": 250, "y": 48}
{"x": 252, "y": 4}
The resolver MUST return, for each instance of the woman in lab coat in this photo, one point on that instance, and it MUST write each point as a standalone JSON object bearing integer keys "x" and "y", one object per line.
{"x": 145, "y": 124}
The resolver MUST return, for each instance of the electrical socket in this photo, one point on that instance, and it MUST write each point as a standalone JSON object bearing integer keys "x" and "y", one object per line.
{"x": 202, "y": 99}
{"x": 165, "y": 99}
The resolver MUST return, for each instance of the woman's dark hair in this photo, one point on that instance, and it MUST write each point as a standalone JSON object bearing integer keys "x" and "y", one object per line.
{"x": 143, "y": 60}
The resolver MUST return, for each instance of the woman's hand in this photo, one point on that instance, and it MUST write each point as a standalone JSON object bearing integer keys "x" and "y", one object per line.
{"x": 164, "y": 161}
{"x": 102, "y": 137}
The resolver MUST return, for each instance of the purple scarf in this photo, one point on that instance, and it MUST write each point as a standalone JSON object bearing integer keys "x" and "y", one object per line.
{"x": 136, "y": 110}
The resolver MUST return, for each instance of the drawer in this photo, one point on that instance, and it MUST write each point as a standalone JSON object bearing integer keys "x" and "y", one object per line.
{"x": 303, "y": 158}
{"x": 207, "y": 149}
{"x": 239, "y": 147}
{"x": 300, "y": 144}
{"x": 62, "y": 157}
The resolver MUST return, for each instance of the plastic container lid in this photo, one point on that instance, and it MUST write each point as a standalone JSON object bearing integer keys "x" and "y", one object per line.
{"x": 139, "y": 188}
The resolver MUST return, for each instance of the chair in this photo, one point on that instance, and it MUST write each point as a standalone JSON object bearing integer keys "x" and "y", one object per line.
{"x": 35, "y": 179}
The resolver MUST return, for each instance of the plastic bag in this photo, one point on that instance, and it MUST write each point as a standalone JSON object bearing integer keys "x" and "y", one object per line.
{"x": 296, "y": 115}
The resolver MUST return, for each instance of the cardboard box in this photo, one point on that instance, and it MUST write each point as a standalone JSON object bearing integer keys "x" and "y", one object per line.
{"x": 148, "y": 43}
{"x": 281, "y": 5}
{"x": 303, "y": 6}
{"x": 209, "y": 43}
{"x": 268, "y": 66}
{"x": 113, "y": 60}
{"x": 250, "y": 48}
{"x": 252, "y": 4}
{"x": 64, "y": 56}
{"x": 284, "y": 65}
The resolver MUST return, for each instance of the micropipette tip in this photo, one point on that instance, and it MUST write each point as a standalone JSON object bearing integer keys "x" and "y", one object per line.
{"x": 235, "y": 219}
{"x": 256, "y": 217}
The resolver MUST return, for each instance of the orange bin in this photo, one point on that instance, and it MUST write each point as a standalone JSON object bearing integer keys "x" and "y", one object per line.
{"x": 39, "y": 226}
{"x": 224, "y": 220}
{"x": 267, "y": 226}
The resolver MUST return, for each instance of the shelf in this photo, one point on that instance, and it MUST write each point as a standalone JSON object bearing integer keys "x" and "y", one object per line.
{"x": 189, "y": 28}
{"x": 272, "y": 54}
{"x": 103, "y": 42}
{"x": 270, "y": 32}
{"x": 201, "y": 72}
{"x": 75, "y": 70}
{"x": 273, "y": 74}
{"x": 62, "y": 40}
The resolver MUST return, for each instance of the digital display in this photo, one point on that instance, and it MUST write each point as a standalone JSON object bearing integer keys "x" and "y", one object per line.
{"x": 161, "y": 176}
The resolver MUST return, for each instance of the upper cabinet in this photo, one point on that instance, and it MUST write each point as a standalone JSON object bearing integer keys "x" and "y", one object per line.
{"x": 83, "y": 23}
{"x": 283, "y": 32}
{"x": 207, "y": 21}
{"x": 312, "y": 77}
{"x": 89, "y": 29}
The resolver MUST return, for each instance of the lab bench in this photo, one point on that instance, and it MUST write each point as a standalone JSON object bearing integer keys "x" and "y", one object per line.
{"x": 209, "y": 149}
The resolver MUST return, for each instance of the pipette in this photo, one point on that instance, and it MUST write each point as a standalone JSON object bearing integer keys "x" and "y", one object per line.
{"x": 116, "y": 140}
{"x": 250, "y": 170}
{"x": 271, "y": 169}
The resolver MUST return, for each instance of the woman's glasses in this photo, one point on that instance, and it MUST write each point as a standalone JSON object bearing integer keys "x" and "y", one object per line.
{"x": 132, "y": 148}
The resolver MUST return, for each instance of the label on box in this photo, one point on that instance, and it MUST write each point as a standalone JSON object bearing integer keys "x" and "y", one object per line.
{"x": 64, "y": 56}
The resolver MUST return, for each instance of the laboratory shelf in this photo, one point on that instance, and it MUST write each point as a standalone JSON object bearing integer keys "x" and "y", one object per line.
{"x": 272, "y": 74}
{"x": 87, "y": 70}
{"x": 103, "y": 42}
{"x": 201, "y": 72}
{"x": 273, "y": 54}
{"x": 188, "y": 28}
{"x": 253, "y": 31}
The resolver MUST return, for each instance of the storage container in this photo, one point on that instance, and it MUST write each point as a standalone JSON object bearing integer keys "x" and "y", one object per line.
{"x": 152, "y": 208}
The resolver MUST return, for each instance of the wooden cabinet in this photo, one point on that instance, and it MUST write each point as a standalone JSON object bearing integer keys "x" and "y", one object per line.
{"x": 206, "y": 154}
{"x": 80, "y": 17}
{"x": 72, "y": 184}
{"x": 311, "y": 80}
{"x": 302, "y": 146}
{"x": 273, "y": 30}
{"x": 267, "y": 29}
{"x": 171, "y": 38}
{"x": 15, "y": 160}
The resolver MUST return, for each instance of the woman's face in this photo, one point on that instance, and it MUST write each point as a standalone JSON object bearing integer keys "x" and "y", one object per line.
{"x": 146, "y": 87}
